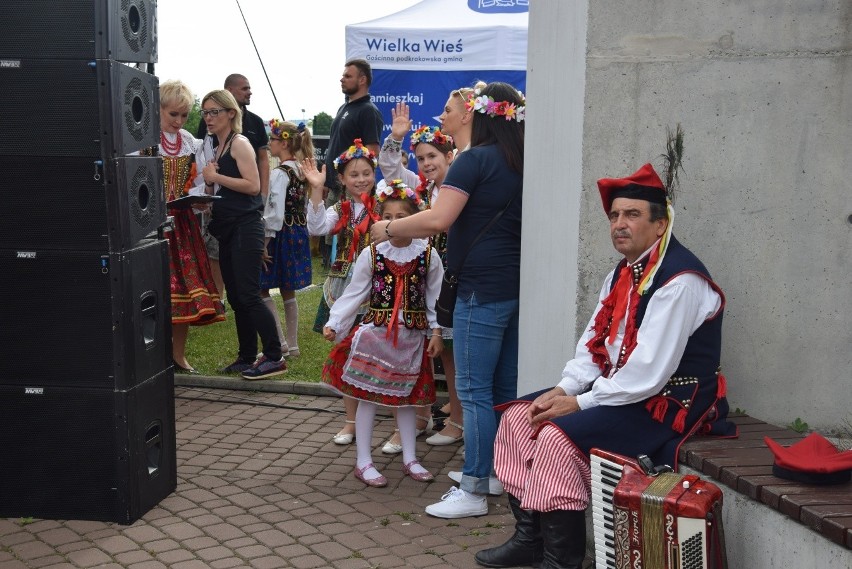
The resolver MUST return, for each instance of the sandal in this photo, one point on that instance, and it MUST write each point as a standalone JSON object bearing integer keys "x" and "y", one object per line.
{"x": 440, "y": 439}
{"x": 391, "y": 447}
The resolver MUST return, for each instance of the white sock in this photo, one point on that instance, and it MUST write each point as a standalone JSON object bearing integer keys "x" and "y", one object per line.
{"x": 406, "y": 422}
{"x": 273, "y": 308}
{"x": 364, "y": 419}
{"x": 291, "y": 317}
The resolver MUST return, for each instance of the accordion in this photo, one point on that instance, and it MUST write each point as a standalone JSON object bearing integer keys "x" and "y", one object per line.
{"x": 647, "y": 517}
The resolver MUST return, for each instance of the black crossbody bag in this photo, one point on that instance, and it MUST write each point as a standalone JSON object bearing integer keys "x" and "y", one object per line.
{"x": 446, "y": 303}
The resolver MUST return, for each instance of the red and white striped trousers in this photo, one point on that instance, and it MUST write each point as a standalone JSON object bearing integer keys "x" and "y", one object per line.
{"x": 546, "y": 472}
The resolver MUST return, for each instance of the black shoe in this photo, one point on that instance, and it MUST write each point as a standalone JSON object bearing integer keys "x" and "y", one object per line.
{"x": 239, "y": 366}
{"x": 525, "y": 547}
{"x": 180, "y": 369}
{"x": 564, "y": 534}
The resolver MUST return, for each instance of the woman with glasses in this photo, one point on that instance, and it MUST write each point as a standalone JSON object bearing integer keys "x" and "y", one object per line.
{"x": 237, "y": 224}
{"x": 194, "y": 298}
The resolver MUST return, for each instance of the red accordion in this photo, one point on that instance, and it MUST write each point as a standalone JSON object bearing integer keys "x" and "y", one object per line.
{"x": 652, "y": 518}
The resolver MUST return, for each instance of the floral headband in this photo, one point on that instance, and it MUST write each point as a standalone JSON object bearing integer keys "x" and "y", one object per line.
{"x": 357, "y": 150}
{"x": 429, "y": 134}
{"x": 397, "y": 190}
{"x": 488, "y": 106}
{"x": 277, "y": 128}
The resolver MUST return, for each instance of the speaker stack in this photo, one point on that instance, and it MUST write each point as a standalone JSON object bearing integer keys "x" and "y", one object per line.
{"x": 87, "y": 427}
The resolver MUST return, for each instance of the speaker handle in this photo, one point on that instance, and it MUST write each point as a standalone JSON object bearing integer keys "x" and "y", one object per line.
{"x": 149, "y": 310}
{"x": 154, "y": 447}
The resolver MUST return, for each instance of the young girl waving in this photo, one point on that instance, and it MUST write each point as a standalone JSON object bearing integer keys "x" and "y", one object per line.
{"x": 350, "y": 219}
{"x": 385, "y": 359}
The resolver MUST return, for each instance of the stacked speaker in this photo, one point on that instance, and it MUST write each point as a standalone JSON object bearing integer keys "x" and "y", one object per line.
{"x": 87, "y": 427}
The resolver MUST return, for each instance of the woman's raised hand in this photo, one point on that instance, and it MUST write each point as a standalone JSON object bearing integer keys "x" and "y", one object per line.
{"x": 401, "y": 123}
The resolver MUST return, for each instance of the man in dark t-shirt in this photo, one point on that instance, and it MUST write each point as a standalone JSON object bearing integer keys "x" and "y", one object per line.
{"x": 357, "y": 118}
{"x": 254, "y": 127}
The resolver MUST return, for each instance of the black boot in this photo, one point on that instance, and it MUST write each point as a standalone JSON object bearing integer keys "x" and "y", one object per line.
{"x": 564, "y": 534}
{"x": 523, "y": 548}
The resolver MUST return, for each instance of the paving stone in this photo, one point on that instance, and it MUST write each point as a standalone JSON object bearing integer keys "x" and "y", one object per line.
{"x": 90, "y": 557}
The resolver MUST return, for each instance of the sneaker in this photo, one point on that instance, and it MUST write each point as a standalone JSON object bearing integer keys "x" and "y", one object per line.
{"x": 265, "y": 367}
{"x": 239, "y": 366}
{"x": 495, "y": 487}
{"x": 458, "y": 504}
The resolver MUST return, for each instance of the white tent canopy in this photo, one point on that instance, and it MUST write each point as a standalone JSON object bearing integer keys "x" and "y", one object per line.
{"x": 445, "y": 35}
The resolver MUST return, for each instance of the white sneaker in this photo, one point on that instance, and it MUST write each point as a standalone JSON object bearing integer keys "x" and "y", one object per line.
{"x": 495, "y": 487}
{"x": 458, "y": 504}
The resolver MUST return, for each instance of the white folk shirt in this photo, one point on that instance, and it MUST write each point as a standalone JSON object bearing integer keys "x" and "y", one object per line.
{"x": 675, "y": 311}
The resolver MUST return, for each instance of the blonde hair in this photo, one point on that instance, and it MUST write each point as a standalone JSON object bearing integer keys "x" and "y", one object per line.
{"x": 227, "y": 101}
{"x": 176, "y": 93}
{"x": 298, "y": 141}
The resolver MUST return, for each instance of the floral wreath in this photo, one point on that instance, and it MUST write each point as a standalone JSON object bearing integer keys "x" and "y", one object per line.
{"x": 397, "y": 190}
{"x": 357, "y": 150}
{"x": 477, "y": 102}
{"x": 277, "y": 128}
{"x": 429, "y": 134}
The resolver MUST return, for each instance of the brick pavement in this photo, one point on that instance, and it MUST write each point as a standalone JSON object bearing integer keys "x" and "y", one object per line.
{"x": 261, "y": 485}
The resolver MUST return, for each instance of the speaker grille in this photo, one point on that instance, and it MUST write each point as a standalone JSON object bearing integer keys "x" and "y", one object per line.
{"x": 107, "y": 326}
{"x": 99, "y": 108}
{"x": 82, "y": 454}
{"x": 93, "y": 29}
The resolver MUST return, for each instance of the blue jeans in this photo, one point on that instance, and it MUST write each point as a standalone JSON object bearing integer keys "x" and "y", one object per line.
{"x": 485, "y": 344}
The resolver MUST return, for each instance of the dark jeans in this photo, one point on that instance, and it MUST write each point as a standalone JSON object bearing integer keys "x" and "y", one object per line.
{"x": 240, "y": 252}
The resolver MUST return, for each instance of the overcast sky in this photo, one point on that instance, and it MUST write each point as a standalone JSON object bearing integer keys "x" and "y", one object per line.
{"x": 301, "y": 43}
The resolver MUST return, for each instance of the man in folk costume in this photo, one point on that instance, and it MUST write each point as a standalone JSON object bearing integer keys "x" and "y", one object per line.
{"x": 644, "y": 377}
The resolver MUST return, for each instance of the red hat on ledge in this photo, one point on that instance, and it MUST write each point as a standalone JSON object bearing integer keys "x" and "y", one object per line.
{"x": 813, "y": 460}
{"x": 643, "y": 184}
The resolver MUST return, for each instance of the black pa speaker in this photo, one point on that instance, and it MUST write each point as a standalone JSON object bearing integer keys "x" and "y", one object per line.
{"x": 77, "y": 108}
{"x": 85, "y": 453}
{"x": 80, "y": 203}
{"x": 123, "y": 30}
{"x": 84, "y": 319}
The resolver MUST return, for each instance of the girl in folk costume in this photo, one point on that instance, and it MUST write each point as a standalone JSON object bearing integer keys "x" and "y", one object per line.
{"x": 287, "y": 258}
{"x": 434, "y": 153}
{"x": 194, "y": 298}
{"x": 385, "y": 359}
{"x": 350, "y": 220}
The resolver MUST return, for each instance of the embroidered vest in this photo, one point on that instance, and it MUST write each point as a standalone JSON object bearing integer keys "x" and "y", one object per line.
{"x": 399, "y": 287}
{"x": 176, "y": 172}
{"x": 703, "y": 350}
{"x": 343, "y": 260}
{"x": 294, "y": 198}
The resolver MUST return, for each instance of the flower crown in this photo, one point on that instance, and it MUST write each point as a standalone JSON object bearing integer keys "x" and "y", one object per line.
{"x": 357, "y": 150}
{"x": 429, "y": 134}
{"x": 488, "y": 106}
{"x": 397, "y": 190}
{"x": 277, "y": 128}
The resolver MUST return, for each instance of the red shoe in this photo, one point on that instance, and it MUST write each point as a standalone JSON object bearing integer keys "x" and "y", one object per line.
{"x": 379, "y": 482}
{"x": 419, "y": 476}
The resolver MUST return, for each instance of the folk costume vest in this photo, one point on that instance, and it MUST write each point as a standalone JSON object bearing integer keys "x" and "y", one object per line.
{"x": 353, "y": 233}
{"x": 398, "y": 289}
{"x": 294, "y": 198}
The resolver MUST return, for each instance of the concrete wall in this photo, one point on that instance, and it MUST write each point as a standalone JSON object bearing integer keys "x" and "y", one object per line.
{"x": 763, "y": 91}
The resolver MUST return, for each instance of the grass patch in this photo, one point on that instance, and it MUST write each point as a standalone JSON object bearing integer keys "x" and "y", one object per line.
{"x": 210, "y": 348}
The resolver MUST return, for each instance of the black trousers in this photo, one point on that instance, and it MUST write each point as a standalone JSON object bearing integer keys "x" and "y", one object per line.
{"x": 240, "y": 253}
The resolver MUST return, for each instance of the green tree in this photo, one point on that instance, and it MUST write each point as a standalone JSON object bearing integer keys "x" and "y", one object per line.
{"x": 194, "y": 117}
{"x": 322, "y": 123}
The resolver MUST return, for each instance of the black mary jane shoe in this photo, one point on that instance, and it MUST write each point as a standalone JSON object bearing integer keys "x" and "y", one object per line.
{"x": 187, "y": 370}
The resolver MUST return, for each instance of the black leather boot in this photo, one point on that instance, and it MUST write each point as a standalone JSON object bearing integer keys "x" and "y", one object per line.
{"x": 523, "y": 548}
{"x": 564, "y": 535}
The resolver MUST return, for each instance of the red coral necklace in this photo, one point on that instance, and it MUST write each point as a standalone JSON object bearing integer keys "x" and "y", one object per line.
{"x": 171, "y": 148}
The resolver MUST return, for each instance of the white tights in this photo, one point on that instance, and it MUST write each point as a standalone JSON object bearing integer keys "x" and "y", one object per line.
{"x": 406, "y": 421}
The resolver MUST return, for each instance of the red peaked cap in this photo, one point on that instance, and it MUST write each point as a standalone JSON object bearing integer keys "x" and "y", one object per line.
{"x": 643, "y": 184}
{"x": 813, "y": 460}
